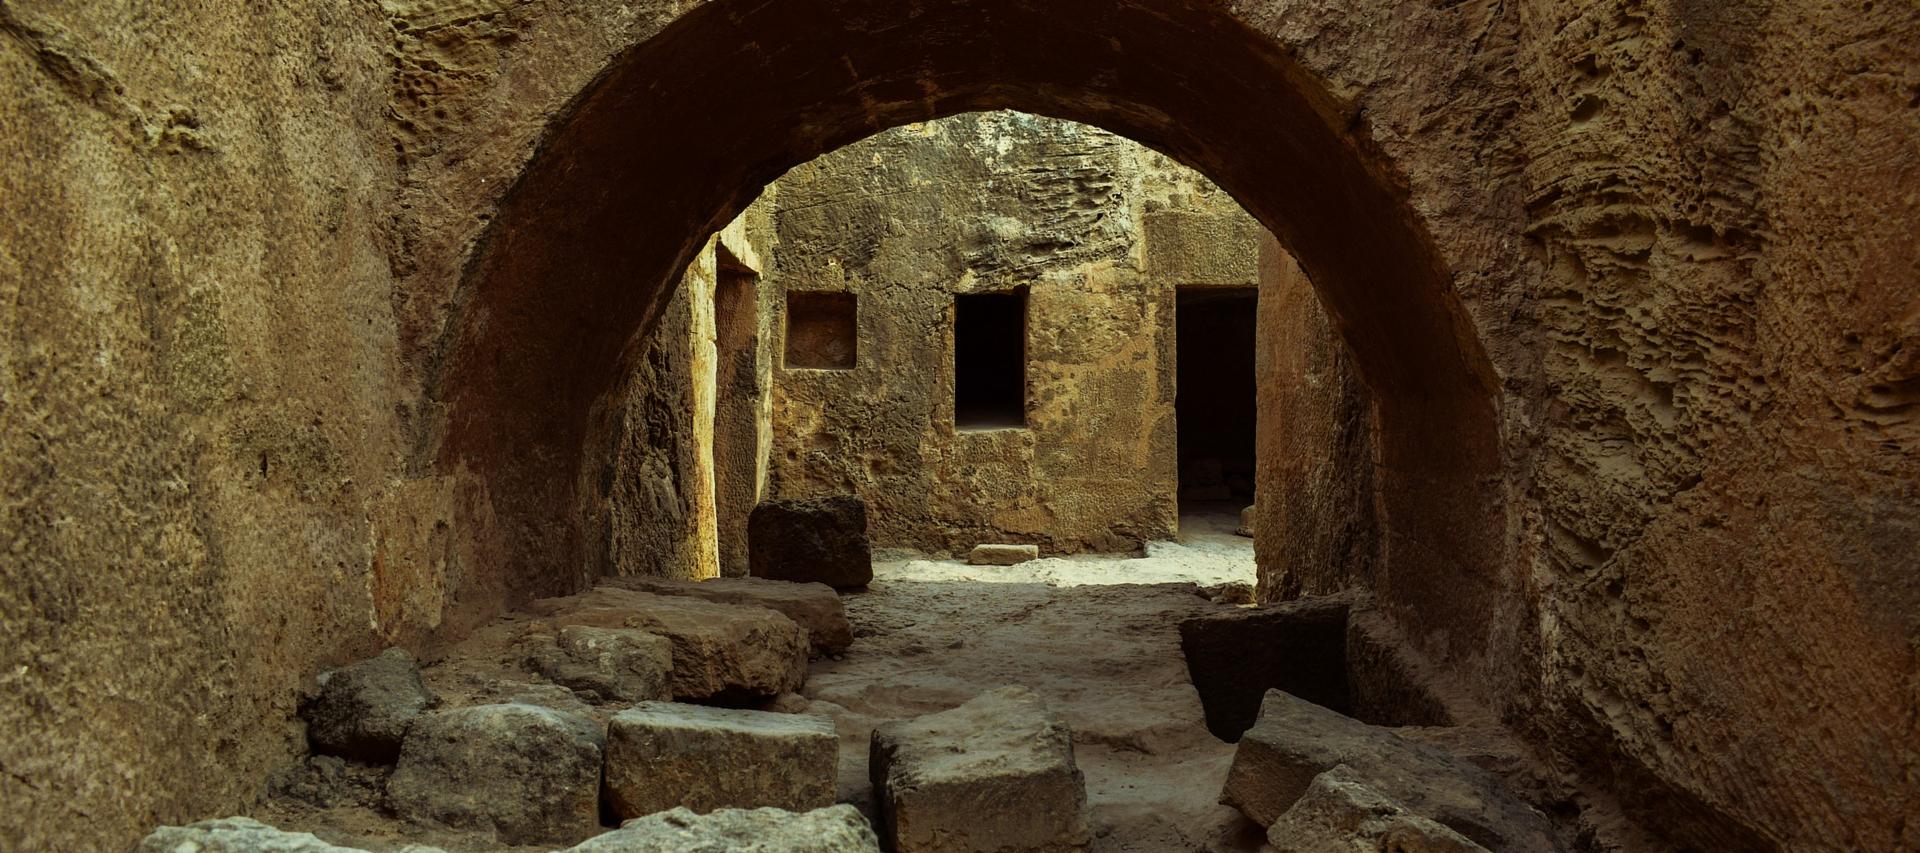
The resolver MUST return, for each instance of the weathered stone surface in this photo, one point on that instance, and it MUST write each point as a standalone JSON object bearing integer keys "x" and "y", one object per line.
{"x": 237, "y": 835}
{"x": 1002, "y": 555}
{"x": 719, "y": 650}
{"x": 836, "y": 829}
{"x": 528, "y": 774}
{"x": 1247, "y": 517}
{"x": 1340, "y": 812}
{"x": 1296, "y": 740}
{"x": 816, "y": 607}
{"x": 664, "y": 754}
{"x": 362, "y": 710}
{"x": 811, "y": 540}
{"x": 620, "y": 664}
{"x": 995, "y": 774}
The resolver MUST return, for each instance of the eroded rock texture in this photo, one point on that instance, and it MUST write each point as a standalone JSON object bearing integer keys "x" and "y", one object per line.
{"x": 308, "y": 312}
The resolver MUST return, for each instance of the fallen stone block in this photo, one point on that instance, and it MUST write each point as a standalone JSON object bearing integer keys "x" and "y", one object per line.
{"x": 1339, "y": 811}
{"x": 1295, "y": 740}
{"x": 529, "y": 774}
{"x": 1235, "y": 656}
{"x": 618, "y": 664}
{"x": 721, "y": 652}
{"x": 814, "y": 606}
{"x": 818, "y": 540}
{"x": 837, "y": 829}
{"x": 240, "y": 835}
{"x": 995, "y": 774}
{"x": 1246, "y": 523}
{"x": 662, "y": 755}
{"x": 1002, "y": 555}
{"x": 362, "y": 711}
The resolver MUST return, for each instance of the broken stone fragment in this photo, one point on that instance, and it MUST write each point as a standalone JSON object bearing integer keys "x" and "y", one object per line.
{"x": 837, "y": 829}
{"x": 1339, "y": 811}
{"x": 1246, "y": 523}
{"x": 1295, "y": 740}
{"x": 362, "y": 710}
{"x": 528, "y": 774}
{"x": 993, "y": 554}
{"x": 240, "y": 835}
{"x": 995, "y": 774}
{"x": 618, "y": 664}
{"x": 664, "y": 754}
{"x": 820, "y": 540}
{"x": 720, "y": 651}
{"x": 815, "y": 607}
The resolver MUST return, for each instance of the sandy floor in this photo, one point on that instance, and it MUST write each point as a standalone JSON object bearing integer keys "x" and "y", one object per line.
{"x": 1096, "y": 637}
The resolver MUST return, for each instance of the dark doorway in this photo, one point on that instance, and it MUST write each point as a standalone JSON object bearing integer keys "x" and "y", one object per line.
{"x": 1214, "y": 402}
{"x": 990, "y": 360}
{"x": 738, "y": 396}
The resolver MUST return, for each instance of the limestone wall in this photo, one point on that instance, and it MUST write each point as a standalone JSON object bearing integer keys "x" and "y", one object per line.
{"x": 1098, "y": 229}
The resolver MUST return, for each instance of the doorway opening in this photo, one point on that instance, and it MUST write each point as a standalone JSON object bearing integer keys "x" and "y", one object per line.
{"x": 990, "y": 360}
{"x": 1215, "y": 410}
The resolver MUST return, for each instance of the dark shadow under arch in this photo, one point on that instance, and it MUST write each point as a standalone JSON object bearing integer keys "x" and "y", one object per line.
{"x": 682, "y": 131}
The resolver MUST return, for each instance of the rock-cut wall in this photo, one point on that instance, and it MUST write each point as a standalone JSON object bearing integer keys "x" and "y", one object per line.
{"x": 1099, "y": 231}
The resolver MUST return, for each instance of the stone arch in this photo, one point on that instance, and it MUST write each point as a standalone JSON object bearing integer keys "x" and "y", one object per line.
{"x": 679, "y": 132}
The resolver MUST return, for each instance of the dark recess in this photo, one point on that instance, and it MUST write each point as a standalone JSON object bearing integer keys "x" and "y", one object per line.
{"x": 990, "y": 360}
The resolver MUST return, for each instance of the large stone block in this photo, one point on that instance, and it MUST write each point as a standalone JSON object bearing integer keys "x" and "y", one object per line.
{"x": 1296, "y": 740}
{"x": 836, "y": 829}
{"x": 528, "y": 774}
{"x": 821, "y": 540}
{"x": 815, "y": 607}
{"x": 720, "y": 651}
{"x": 1339, "y": 811}
{"x": 621, "y": 664}
{"x": 995, "y": 774}
{"x": 239, "y": 835}
{"x": 1235, "y": 656}
{"x": 362, "y": 711}
{"x": 661, "y": 755}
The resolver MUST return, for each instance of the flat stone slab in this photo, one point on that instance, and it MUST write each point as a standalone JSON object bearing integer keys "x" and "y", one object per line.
{"x": 618, "y": 664}
{"x": 1295, "y": 741}
{"x": 663, "y": 755}
{"x": 836, "y": 829}
{"x": 814, "y": 606}
{"x": 1002, "y": 555}
{"x": 1339, "y": 811}
{"x": 529, "y": 774}
{"x": 240, "y": 835}
{"x": 995, "y": 774}
{"x": 817, "y": 540}
{"x": 720, "y": 651}
{"x": 362, "y": 710}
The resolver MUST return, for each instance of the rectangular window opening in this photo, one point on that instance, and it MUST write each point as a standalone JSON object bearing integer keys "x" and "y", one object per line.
{"x": 990, "y": 360}
{"x": 822, "y": 330}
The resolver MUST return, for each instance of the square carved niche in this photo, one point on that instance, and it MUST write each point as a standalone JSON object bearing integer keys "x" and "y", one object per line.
{"x": 822, "y": 330}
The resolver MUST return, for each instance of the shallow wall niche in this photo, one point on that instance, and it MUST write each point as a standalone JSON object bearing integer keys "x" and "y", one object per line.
{"x": 823, "y": 330}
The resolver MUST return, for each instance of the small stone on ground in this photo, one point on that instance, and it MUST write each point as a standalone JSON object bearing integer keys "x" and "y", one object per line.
{"x": 362, "y": 710}
{"x": 1002, "y": 555}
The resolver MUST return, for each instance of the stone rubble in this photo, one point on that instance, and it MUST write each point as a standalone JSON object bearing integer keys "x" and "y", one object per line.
{"x": 1295, "y": 741}
{"x": 815, "y": 606}
{"x": 661, "y": 755}
{"x": 617, "y": 664}
{"x": 836, "y": 829}
{"x": 362, "y": 710}
{"x": 821, "y": 540}
{"x": 1341, "y": 812}
{"x": 994, "y": 774}
{"x": 528, "y": 774}
{"x": 721, "y": 652}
